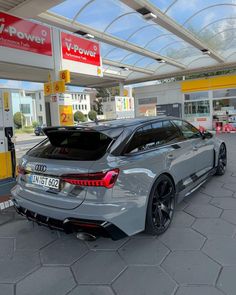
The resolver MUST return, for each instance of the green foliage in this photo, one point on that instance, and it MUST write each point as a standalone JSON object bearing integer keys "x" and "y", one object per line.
{"x": 79, "y": 117}
{"x": 35, "y": 124}
{"x": 103, "y": 92}
{"x": 92, "y": 115}
{"x": 107, "y": 92}
{"x": 19, "y": 119}
{"x": 97, "y": 107}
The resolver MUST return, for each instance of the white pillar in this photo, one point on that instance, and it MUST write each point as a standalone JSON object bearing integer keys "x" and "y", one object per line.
{"x": 54, "y": 105}
{"x": 121, "y": 85}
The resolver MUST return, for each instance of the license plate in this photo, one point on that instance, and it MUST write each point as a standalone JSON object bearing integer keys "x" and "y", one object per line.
{"x": 50, "y": 182}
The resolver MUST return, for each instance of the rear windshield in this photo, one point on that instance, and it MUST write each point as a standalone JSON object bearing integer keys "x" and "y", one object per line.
{"x": 72, "y": 145}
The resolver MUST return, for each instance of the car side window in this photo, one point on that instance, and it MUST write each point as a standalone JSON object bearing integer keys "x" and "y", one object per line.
{"x": 152, "y": 136}
{"x": 188, "y": 130}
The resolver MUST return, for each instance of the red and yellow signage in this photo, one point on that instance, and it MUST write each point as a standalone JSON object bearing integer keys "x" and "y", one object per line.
{"x": 54, "y": 87}
{"x": 47, "y": 88}
{"x": 80, "y": 50}
{"x": 24, "y": 35}
{"x": 58, "y": 87}
{"x": 66, "y": 115}
{"x": 65, "y": 75}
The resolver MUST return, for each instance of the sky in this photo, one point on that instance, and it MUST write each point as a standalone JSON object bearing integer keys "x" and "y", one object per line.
{"x": 29, "y": 85}
{"x": 20, "y": 84}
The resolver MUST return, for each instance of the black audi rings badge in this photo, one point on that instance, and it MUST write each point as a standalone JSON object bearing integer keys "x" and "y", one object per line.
{"x": 40, "y": 168}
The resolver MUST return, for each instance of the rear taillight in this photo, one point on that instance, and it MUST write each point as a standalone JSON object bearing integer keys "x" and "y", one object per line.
{"x": 106, "y": 179}
{"x": 21, "y": 170}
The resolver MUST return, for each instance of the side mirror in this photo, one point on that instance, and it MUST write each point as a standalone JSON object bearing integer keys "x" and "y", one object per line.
{"x": 206, "y": 135}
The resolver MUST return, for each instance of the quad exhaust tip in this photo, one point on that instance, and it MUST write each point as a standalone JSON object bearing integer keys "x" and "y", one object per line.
{"x": 83, "y": 236}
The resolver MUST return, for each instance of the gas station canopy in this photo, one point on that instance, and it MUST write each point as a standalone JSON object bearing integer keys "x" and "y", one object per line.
{"x": 143, "y": 40}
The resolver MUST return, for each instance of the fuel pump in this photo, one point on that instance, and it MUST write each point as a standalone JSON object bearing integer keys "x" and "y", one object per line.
{"x": 7, "y": 147}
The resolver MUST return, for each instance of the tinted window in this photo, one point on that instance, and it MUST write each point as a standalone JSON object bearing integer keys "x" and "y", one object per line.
{"x": 224, "y": 93}
{"x": 188, "y": 130}
{"x": 72, "y": 145}
{"x": 196, "y": 95}
{"x": 153, "y": 135}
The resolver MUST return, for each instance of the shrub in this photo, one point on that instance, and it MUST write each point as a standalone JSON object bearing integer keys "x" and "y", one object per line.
{"x": 92, "y": 115}
{"x": 35, "y": 124}
{"x": 19, "y": 119}
{"x": 79, "y": 117}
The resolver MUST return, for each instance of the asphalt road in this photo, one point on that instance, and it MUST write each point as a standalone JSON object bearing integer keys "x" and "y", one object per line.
{"x": 27, "y": 144}
{"x": 23, "y": 146}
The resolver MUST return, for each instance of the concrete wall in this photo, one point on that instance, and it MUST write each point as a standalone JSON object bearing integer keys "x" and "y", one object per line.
{"x": 167, "y": 93}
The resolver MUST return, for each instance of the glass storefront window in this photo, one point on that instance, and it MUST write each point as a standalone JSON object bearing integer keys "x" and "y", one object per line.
{"x": 224, "y": 110}
{"x": 197, "y": 109}
{"x": 196, "y": 95}
{"x": 224, "y": 93}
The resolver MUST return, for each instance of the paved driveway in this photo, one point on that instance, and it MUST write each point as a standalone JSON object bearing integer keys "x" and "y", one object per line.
{"x": 197, "y": 255}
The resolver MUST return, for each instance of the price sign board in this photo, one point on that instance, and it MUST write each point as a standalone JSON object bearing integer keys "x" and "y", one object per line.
{"x": 66, "y": 115}
{"x": 47, "y": 89}
{"x": 58, "y": 86}
{"x": 65, "y": 75}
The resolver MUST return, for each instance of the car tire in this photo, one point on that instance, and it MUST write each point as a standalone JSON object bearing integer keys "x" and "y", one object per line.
{"x": 161, "y": 206}
{"x": 222, "y": 160}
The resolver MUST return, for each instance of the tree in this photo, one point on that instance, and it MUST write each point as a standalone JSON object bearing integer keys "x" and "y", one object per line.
{"x": 79, "y": 117}
{"x": 19, "y": 119}
{"x": 97, "y": 106}
{"x": 107, "y": 92}
{"x": 103, "y": 92}
{"x": 35, "y": 124}
{"x": 92, "y": 115}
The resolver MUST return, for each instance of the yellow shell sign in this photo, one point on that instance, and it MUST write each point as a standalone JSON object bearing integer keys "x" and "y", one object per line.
{"x": 66, "y": 115}
{"x": 6, "y": 101}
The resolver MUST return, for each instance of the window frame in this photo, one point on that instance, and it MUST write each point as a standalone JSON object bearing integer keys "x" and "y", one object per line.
{"x": 124, "y": 153}
{"x": 185, "y": 139}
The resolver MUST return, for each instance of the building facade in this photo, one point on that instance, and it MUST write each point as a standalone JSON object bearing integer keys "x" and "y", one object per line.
{"x": 35, "y": 108}
{"x": 24, "y": 104}
{"x": 38, "y": 104}
{"x": 147, "y": 98}
{"x": 208, "y": 102}
{"x": 80, "y": 102}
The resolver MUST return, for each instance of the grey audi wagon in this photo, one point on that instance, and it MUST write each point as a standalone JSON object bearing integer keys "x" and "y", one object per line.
{"x": 115, "y": 178}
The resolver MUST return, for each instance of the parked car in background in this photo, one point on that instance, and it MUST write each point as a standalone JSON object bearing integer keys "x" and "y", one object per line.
{"x": 115, "y": 178}
{"x": 38, "y": 130}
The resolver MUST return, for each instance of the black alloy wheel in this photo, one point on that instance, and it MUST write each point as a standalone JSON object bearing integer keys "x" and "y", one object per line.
{"x": 161, "y": 206}
{"x": 222, "y": 160}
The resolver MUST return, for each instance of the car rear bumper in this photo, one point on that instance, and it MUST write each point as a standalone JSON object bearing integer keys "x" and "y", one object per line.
{"x": 69, "y": 225}
{"x": 114, "y": 219}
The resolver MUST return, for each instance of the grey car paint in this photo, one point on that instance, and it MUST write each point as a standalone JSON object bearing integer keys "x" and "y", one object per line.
{"x": 125, "y": 204}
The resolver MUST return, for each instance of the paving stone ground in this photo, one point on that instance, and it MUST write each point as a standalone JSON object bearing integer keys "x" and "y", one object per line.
{"x": 197, "y": 255}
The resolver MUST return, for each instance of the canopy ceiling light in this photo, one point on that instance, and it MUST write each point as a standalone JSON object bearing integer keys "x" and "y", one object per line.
{"x": 125, "y": 68}
{"x": 160, "y": 60}
{"x": 206, "y": 51}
